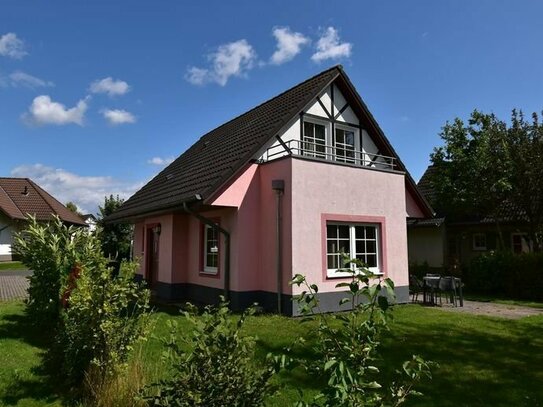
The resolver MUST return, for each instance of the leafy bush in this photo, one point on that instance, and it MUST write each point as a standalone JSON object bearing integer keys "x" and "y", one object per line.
{"x": 50, "y": 250}
{"x": 502, "y": 273}
{"x": 104, "y": 316}
{"x": 347, "y": 352}
{"x": 95, "y": 318}
{"x": 218, "y": 368}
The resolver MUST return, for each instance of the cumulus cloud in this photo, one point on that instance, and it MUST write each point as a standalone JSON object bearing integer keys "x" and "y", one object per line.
{"x": 12, "y": 46}
{"x": 232, "y": 59}
{"x": 110, "y": 86}
{"x": 118, "y": 116}
{"x": 289, "y": 44}
{"x": 19, "y": 78}
{"x": 330, "y": 47}
{"x": 87, "y": 192}
{"x": 160, "y": 161}
{"x": 45, "y": 111}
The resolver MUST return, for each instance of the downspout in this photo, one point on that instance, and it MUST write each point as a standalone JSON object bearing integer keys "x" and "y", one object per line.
{"x": 278, "y": 185}
{"x": 226, "y": 235}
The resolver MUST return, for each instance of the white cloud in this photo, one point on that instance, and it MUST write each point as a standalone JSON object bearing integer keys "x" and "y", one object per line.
{"x": 11, "y": 46}
{"x": 110, "y": 86}
{"x": 117, "y": 116}
{"x": 87, "y": 192}
{"x": 45, "y": 111}
{"x": 161, "y": 162}
{"x": 232, "y": 59}
{"x": 289, "y": 44}
{"x": 19, "y": 78}
{"x": 329, "y": 46}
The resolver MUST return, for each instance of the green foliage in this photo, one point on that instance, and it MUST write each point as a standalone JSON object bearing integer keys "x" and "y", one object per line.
{"x": 72, "y": 207}
{"x": 115, "y": 237}
{"x": 104, "y": 317}
{"x": 487, "y": 168}
{"x": 50, "y": 250}
{"x": 94, "y": 317}
{"x": 218, "y": 368}
{"x": 515, "y": 276}
{"x": 347, "y": 344}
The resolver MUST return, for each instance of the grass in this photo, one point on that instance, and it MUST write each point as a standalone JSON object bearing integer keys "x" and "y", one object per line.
{"x": 12, "y": 265}
{"x": 499, "y": 300}
{"x": 483, "y": 361}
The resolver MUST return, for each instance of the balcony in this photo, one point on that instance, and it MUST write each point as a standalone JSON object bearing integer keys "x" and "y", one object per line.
{"x": 343, "y": 154}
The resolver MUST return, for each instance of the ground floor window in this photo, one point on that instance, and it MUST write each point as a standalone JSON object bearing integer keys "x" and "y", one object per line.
{"x": 479, "y": 241}
{"x": 211, "y": 249}
{"x": 360, "y": 241}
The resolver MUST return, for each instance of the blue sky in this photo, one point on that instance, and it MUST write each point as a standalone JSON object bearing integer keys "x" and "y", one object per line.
{"x": 96, "y": 96}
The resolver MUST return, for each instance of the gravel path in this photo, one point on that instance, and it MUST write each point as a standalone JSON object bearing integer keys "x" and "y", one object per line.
{"x": 13, "y": 286}
{"x": 495, "y": 310}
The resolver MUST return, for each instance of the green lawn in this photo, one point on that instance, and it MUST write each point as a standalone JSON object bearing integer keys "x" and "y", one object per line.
{"x": 12, "y": 265}
{"x": 483, "y": 361}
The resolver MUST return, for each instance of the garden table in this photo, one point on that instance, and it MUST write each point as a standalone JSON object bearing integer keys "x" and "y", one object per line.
{"x": 431, "y": 285}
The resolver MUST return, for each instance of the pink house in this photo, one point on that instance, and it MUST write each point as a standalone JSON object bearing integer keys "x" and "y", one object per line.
{"x": 279, "y": 190}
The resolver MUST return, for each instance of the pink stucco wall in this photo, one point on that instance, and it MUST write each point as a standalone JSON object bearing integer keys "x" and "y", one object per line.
{"x": 314, "y": 192}
{"x": 413, "y": 209}
{"x": 323, "y": 189}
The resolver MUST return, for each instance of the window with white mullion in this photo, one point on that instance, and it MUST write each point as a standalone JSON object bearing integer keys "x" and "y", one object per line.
{"x": 211, "y": 249}
{"x": 360, "y": 241}
{"x": 314, "y": 140}
{"x": 344, "y": 145}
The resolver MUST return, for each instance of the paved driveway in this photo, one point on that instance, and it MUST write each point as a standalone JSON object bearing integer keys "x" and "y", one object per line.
{"x": 13, "y": 284}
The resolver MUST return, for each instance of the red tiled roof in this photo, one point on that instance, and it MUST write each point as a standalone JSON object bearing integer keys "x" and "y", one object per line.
{"x": 20, "y": 197}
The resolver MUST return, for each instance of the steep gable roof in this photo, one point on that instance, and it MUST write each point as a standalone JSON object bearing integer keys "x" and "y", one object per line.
{"x": 21, "y": 196}
{"x": 219, "y": 154}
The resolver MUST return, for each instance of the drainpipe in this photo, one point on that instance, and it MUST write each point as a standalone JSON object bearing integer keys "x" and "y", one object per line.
{"x": 278, "y": 185}
{"x": 226, "y": 235}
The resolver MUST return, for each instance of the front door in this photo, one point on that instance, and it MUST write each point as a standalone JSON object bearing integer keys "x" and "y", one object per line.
{"x": 153, "y": 244}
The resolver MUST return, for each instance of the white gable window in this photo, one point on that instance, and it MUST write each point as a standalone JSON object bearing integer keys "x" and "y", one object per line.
{"x": 314, "y": 139}
{"x": 359, "y": 241}
{"x": 211, "y": 250}
{"x": 346, "y": 144}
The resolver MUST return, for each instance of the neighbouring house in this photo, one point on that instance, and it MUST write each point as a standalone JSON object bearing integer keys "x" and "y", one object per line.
{"x": 279, "y": 190}
{"x": 20, "y": 197}
{"x": 442, "y": 242}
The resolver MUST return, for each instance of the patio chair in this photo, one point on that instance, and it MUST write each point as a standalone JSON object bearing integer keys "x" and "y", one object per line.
{"x": 447, "y": 285}
{"x": 415, "y": 287}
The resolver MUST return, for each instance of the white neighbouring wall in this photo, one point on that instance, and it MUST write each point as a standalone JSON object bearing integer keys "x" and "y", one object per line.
{"x": 6, "y": 236}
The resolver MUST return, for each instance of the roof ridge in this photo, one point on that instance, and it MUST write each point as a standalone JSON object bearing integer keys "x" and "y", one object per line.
{"x": 48, "y": 196}
{"x": 338, "y": 66}
{"x": 37, "y": 188}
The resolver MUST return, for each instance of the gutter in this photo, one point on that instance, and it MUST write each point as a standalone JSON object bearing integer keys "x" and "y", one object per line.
{"x": 226, "y": 235}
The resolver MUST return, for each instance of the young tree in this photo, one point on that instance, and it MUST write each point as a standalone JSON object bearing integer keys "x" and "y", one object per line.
{"x": 116, "y": 238}
{"x": 73, "y": 207}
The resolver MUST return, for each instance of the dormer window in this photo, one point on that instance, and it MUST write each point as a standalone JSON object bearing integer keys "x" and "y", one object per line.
{"x": 314, "y": 140}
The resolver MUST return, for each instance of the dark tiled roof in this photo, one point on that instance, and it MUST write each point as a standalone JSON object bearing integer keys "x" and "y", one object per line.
{"x": 425, "y": 184}
{"x": 214, "y": 158}
{"x": 425, "y": 222}
{"x": 21, "y": 196}
{"x": 219, "y": 154}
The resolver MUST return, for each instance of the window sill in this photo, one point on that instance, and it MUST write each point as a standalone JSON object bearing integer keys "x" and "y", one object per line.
{"x": 209, "y": 273}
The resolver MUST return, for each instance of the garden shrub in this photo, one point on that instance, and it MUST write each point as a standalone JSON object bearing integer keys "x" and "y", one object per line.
{"x": 104, "y": 317}
{"x": 347, "y": 344}
{"x": 50, "y": 250}
{"x": 95, "y": 318}
{"x": 216, "y": 365}
{"x": 503, "y": 273}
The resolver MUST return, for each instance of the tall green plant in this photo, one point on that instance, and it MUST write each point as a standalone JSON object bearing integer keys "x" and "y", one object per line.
{"x": 50, "y": 250}
{"x": 347, "y": 344}
{"x": 215, "y": 365}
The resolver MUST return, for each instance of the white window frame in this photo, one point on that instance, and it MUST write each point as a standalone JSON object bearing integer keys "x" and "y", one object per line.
{"x": 333, "y": 273}
{"x": 476, "y": 246}
{"x": 357, "y": 148}
{"x": 327, "y": 129}
{"x": 210, "y": 269}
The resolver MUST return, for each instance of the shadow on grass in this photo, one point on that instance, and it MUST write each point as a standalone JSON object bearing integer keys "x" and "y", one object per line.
{"x": 45, "y": 382}
{"x": 482, "y": 362}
